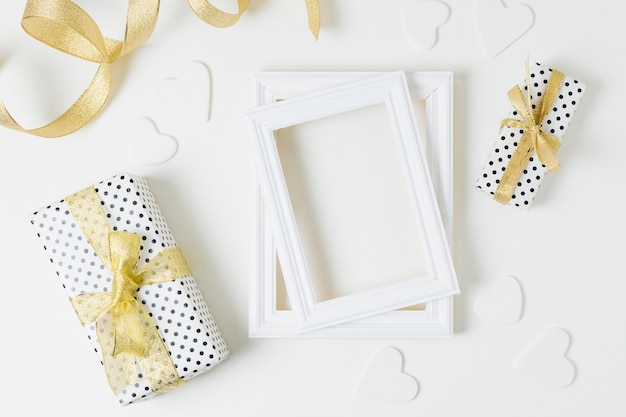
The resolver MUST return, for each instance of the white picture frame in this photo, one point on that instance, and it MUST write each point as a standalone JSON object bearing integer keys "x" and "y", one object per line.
{"x": 266, "y": 320}
{"x": 308, "y": 315}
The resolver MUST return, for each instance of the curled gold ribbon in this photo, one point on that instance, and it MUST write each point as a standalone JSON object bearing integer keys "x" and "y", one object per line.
{"x": 218, "y": 18}
{"x": 126, "y": 333}
{"x": 65, "y": 26}
{"x": 534, "y": 139}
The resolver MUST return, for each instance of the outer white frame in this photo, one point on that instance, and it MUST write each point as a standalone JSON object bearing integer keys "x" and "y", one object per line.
{"x": 390, "y": 89}
{"x": 436, "y": 320}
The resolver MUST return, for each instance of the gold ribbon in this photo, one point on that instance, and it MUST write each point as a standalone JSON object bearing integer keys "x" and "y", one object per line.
{"x": 218, "y": 18}
{"x": 313, "y": 14}
{"x": 534, "y": 139}
{"x": 65, "y": 26}
{"x": 127, "y": 335}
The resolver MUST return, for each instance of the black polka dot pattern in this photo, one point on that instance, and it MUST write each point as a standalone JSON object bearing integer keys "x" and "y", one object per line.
{"x": 177, "y": 308}
{"x": 555, "y": 123}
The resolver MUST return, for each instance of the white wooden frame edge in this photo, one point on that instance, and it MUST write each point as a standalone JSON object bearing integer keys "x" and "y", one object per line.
{"x": 264, "y": 120}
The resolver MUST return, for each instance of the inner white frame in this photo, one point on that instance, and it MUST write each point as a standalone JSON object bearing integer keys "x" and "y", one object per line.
{"x": 390, "y": 89}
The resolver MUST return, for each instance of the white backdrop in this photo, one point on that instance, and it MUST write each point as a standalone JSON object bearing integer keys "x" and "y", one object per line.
{"x": 567, "y": 252}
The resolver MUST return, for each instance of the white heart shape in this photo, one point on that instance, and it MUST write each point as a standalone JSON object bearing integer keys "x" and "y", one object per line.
{"x": 500, "y": 26}
{"x": 384, "y": 380}
{"x": 147, "y": 146}
{"x": 503, "y": 304}
{"x": 422, "y": 19}
{"x": 546, "y": 361}
{"x": 188, "y": 95}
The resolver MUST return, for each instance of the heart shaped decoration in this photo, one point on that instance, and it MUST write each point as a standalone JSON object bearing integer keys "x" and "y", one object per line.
{"x": 500, "y": 26}
{"x": 189, "y": 94}
{"x": 422, "y": 19}
{"x": 384, "y": 380}
{"x": 147, "y": 146}
{"x": 546, "y": 362}
{"x": 503, "y": 304}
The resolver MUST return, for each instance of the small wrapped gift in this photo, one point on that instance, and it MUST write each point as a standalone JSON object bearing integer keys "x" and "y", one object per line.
{"x": 131, "y": 287}
{"x": 530, "y": 137}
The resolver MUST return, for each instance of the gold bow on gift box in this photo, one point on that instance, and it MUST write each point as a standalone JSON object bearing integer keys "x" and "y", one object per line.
{"x": 534, "y": 139}
{"x": 126, "y": 333}
{"x": 63, "y": 25}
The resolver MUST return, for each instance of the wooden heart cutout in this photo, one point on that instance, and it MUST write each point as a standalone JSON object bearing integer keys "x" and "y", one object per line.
{"x": 384, "y": 380}
{"x": 422, "y": 19}
{"x": 546, "y": 362}
{"x": 500, "y": 26}
{"x": 147, "y": 146}
{"x": 503, "y": 304}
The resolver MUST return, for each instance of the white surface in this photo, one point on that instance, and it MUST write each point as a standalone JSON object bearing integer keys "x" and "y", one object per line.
{"x": 567, "y": 251}
{"x": 187, "y": 95}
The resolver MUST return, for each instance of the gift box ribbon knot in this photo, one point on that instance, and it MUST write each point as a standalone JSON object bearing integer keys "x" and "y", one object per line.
{"x": 534, "y": 139}
{"x": 127, "y": 334}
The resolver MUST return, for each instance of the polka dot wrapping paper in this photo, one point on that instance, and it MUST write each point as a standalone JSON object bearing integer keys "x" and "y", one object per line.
{"x": 555, "y": 123}
{"x": 177, "y": 308}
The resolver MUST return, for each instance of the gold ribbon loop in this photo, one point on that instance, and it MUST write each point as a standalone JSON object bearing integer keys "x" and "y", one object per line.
{"x": 141, "y": 18}
{"x": 534, "y": 139}
{"x": 128, "y": 333}
{"x": 65, "y": 26}
{"x": 216, "y": 17}
{"x": 125, "y": 330}
{"x": 221, "y": 19}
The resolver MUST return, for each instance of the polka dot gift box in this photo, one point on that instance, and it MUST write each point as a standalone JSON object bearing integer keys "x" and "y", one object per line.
{"x": 525, "y": 150}
{"x": 131, "y": 287}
